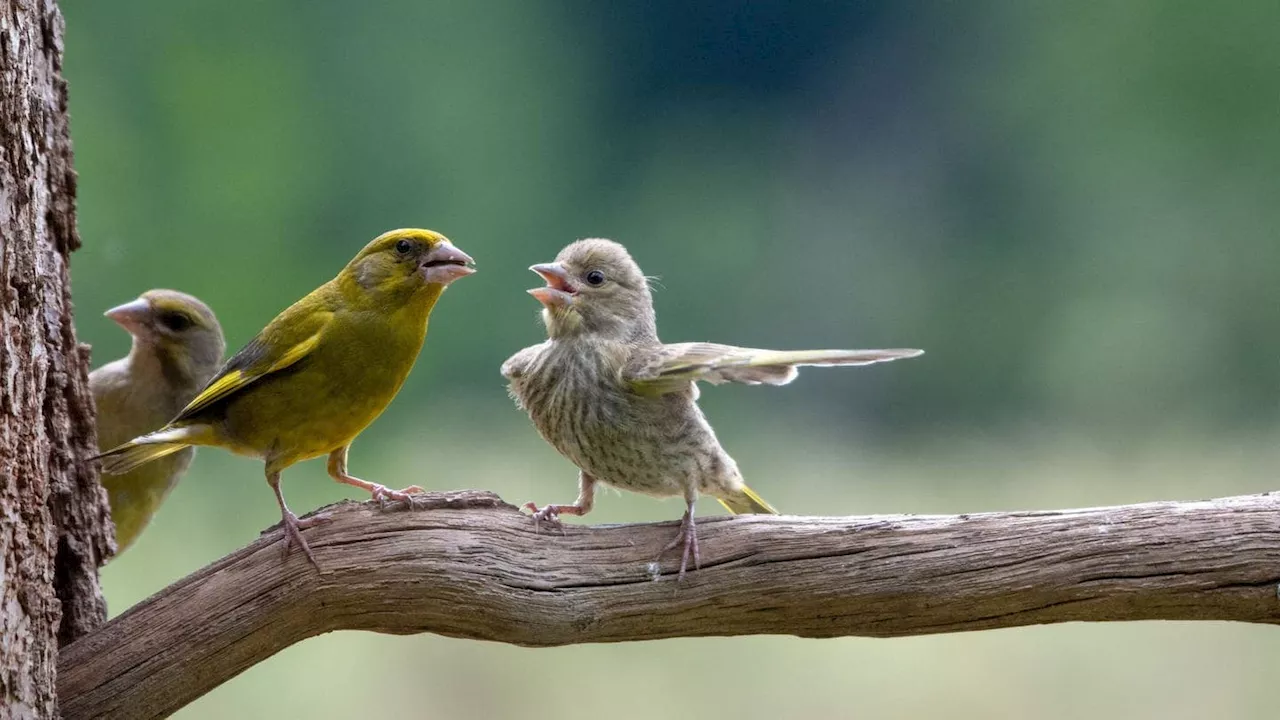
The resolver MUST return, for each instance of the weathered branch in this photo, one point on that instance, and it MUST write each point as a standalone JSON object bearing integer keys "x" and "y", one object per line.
{"x": 473, "y": 567}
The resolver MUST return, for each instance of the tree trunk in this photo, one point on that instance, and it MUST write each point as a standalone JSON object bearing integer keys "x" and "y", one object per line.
{"x": 54, "y": 524}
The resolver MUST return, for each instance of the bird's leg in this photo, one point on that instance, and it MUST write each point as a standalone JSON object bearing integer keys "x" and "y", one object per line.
{"x": 688, "y": 537}
{"x": 551, "y": 513}
{"x": 292, "y": 525}
{"x": 381, "y": 493}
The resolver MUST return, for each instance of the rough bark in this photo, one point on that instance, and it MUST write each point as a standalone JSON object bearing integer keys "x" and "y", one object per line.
{"x": 54, "y": 526}
{"x": 473, "y": 567}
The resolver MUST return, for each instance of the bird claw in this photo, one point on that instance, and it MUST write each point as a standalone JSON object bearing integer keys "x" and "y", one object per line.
{"x": 548, "y": 514}
{"x": 688, "y": 538}
{"x": 293, "y": 534}
{"x": 313, "y": 520}
{"x": 382, "y": 494}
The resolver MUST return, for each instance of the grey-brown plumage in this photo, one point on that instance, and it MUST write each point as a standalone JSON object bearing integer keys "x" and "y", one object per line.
{"x": 607, "y": 394}
{"x": 177, "y": 346}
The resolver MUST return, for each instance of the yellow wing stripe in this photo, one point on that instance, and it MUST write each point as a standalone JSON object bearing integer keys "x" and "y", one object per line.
{"x": 216, "y": 389}
{"x": 232, "y": 381}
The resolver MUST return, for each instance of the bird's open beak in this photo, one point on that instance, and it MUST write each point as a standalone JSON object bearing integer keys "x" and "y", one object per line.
{"x": 559, "y": 290}
{"x": 445, "y": 263}
{"x": 132, "y": 316}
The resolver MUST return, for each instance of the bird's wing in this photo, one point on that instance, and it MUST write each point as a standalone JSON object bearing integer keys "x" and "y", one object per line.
{"x": 517, "y": 364}
{"x": 669, "y": 368}
{"x": 112, "y": 394}
{"x": 289, "y": 338}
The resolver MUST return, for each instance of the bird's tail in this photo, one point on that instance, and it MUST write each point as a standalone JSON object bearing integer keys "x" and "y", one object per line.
{"x": 746, "y": 501}
{"x": 142, "y": 450}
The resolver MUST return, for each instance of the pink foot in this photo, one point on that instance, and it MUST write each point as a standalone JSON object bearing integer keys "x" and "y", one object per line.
{"x": 549, "y": 514}
{"x": 688, "y": 538}
{"x": 293, "y": 528}
{"x": 382, "y": 494}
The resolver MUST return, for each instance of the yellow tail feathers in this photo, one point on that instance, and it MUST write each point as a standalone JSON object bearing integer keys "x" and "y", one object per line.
{"x": 747, "y": 502}
{"x": 130, "y": 455}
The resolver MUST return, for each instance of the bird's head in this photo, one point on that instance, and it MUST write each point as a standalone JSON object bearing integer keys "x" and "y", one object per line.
{"x": 406, "y": 261}
{"x": 595, "y": 288}
{"x": 178, "y": 329}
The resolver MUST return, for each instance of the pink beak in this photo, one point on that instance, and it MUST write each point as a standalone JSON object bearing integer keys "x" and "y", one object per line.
{"x": 445, "y": 263}
{"x": 559, "y": 289}
{"x": 131, "y": 316}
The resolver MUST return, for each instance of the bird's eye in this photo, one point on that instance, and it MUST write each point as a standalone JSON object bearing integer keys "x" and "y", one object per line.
{"x": 175, "y": 321}
{"x": 595, "y": 278}
{"x": 403, "y": 246}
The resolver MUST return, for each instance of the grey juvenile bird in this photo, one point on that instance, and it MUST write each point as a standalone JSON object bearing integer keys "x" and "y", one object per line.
{"x": 177, "y": 347}
{"x": 607, "y": 394}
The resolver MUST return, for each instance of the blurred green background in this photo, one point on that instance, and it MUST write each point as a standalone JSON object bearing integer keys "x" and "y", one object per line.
{"x": 1072, "y": 208}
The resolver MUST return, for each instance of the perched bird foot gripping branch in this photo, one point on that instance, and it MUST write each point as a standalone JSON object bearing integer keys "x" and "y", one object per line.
{"x": 293, "y": 526}
{"x": 550, "y": 515}
{"x": 687, "y": 539}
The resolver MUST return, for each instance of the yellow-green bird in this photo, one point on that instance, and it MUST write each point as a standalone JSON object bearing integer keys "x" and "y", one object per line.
{"x": 177, "y": 347}
{"x": 320, "y": 372}
{"x": 606, "y": 393}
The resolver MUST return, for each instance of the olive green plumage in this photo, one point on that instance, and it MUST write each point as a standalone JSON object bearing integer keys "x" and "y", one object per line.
{"x": 177, "y": 347}
{"x": 320, "y": 372}
{"x": 621, "y": 405}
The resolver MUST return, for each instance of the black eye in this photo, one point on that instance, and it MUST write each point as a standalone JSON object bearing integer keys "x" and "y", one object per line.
{"x": 595, "y": 278}
{"x": 175, "y": 321}
{"x": 403, "y": 246}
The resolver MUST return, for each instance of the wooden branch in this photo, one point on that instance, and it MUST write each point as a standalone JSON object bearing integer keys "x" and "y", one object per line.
{"x": 473, "y": 567}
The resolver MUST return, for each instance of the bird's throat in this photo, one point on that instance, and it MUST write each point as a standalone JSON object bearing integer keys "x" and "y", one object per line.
{"x": 561, "y": 321}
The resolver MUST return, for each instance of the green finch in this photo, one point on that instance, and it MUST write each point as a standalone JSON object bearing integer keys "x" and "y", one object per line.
{"x": 177, "y": 347}
{"x": 607, "y": 394}
{"x": 320, "y": 372}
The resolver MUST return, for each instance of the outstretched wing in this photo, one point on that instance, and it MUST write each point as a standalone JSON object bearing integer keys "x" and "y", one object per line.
{"x": 669, "y": 368}
{"x": 292, "y": 336}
